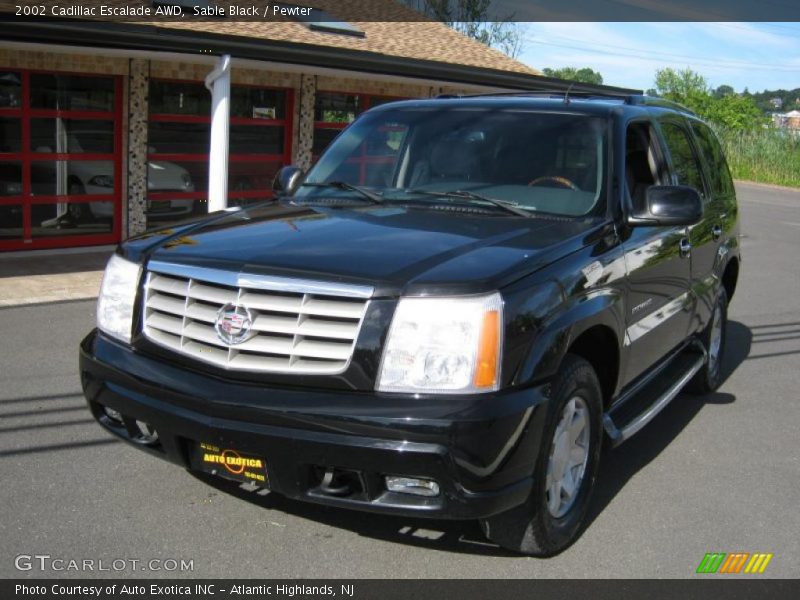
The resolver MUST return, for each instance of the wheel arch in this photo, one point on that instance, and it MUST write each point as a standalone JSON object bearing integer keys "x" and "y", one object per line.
{"x": 730, "y": 277}
{"x": 592, "y": 328}
{"x": 598, "y": 346}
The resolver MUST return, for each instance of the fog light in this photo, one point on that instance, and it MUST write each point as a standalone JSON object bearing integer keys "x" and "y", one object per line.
{"x": 147, "y": 434}
{"x": 412, "y": 485}
{"x": 114, "y": 415}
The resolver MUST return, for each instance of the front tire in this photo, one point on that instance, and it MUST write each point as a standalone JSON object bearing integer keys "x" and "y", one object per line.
{"x": 709, "y": 378}
{"x": 565, "y": 471}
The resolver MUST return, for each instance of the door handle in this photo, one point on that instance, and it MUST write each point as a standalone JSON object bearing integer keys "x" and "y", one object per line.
{"x": 685, "y": 247}
{"x": 716, "y": 231}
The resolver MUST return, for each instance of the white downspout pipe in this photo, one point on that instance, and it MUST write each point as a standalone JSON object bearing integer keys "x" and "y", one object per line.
{"x": 218, "y": 83}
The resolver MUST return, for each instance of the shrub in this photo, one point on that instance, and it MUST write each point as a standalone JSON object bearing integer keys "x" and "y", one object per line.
{"x": 765, "y": 155}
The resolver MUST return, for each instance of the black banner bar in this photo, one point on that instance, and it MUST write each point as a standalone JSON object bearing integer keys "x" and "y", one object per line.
{"x": 714, "y": 586}
{"x": 318, "y": 13}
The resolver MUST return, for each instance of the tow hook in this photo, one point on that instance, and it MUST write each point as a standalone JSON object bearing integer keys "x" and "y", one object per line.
{"x": 327, "y": 485}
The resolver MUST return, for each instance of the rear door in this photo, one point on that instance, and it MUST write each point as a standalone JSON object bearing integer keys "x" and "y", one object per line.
{"x": 687, "y": 169}
{"x": 719, "y": 216}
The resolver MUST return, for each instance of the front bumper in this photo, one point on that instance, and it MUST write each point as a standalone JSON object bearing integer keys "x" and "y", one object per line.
{"x": 479, "y": 449}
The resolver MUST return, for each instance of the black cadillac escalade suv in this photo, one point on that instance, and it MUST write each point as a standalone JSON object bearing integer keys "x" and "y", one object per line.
{"x": 443, "y": 318}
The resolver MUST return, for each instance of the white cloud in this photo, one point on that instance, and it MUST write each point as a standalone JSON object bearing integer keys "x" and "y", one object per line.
{"x": 747, "y": 35}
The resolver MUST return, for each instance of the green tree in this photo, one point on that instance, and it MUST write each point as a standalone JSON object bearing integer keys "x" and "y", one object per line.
{"x": 727, "y": 110}
{"x": 724, "y": 90}
{"x": 684, "y": 87}
{"x": 680, "y": 85}
{"x": 734, "y": 112}
{"x": 584, "y": 75}
{"x": 474, "y": 19}
{"x": 788, "y": 100}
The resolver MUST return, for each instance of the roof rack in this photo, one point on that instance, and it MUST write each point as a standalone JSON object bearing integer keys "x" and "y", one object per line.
{"x": 641, "y": 100}
{"x": 626, "y": 98}
{"x": 545, "y": 93}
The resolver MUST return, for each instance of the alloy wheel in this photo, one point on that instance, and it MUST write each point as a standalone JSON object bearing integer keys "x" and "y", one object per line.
{"x": 715, "y": 341}
{"x": 569, "y": 454}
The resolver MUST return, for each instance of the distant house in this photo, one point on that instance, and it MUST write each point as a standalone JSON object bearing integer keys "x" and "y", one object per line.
{"x": 777, "y": 103}
{"x": 792, "y": 120}
{"x": 789, "y": 120}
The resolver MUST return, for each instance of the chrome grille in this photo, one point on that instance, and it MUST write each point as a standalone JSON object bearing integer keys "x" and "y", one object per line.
{"x": 299, "y": 326}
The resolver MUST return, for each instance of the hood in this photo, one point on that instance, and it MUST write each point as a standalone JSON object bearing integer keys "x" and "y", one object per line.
{"x": 395, "y": 248}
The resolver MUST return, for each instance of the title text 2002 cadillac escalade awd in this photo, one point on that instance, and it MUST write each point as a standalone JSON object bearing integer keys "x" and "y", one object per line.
{"x": 443, "y": 318}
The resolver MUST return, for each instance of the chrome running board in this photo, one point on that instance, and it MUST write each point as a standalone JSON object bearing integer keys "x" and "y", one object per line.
{"x": 627, "y": 418}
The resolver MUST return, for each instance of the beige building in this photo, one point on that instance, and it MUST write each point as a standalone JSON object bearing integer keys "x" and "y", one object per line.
{"x": 105, "y": 127}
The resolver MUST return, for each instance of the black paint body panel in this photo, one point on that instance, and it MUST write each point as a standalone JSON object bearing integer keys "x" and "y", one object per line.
{"x": 559, "y": 278}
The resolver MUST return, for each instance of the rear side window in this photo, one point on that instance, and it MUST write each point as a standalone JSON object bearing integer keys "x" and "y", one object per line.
{"x": 684, "y": 161}
{"x": 718, "y": 174}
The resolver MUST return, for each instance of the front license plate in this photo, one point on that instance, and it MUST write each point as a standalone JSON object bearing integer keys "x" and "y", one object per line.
{"x": 229, "y": 463}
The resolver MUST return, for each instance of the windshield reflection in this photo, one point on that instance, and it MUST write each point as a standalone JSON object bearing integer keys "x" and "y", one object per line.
{"x": 504, "y": 159}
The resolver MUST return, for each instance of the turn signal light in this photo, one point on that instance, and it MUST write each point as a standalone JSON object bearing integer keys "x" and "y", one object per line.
{"x": 488, "y": 351}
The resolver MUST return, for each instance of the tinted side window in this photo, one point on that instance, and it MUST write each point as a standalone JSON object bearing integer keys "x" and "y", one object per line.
{"x": 686, "y": 166}
{"x": 641, "y": 162}
{"x": 718, "y": 174}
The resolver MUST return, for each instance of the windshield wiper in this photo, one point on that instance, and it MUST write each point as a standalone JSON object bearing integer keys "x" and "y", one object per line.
{"x": 467, "y": 195}
{"x": 343, "y": 185}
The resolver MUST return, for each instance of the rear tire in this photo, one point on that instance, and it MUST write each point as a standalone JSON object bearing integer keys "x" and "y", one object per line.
{"x": 552, "y": 517}
{"x": 708, "y": 379}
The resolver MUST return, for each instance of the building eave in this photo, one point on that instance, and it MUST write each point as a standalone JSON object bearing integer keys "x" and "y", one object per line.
{"x": 160, "y": 39}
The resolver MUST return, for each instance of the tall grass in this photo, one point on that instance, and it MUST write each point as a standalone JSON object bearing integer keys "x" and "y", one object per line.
{"x": 763, "y": 155}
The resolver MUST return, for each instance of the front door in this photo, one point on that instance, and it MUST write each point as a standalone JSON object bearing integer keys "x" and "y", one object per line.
{"x": 659, "y": 304}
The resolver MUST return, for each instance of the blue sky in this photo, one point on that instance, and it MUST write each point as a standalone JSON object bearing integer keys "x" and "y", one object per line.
{"x": 753, "y": 55}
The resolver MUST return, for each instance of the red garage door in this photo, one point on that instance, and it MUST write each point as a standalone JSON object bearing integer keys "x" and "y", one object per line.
{"x": 178, "y": 139}
{"x": 60, "y": 159}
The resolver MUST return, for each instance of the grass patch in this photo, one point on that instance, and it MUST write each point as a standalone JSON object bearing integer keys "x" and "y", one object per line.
{"x": 763, "y": 155}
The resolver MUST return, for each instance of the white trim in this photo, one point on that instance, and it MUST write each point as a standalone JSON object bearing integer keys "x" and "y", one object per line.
{"x": 218, "y": 82}
{"x": 259, "y": 65}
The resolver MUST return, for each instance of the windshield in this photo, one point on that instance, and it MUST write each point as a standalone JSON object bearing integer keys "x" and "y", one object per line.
{"x": 536, "y": 161}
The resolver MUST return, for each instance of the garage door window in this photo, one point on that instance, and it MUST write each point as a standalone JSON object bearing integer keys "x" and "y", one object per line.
{"x": 178, "y": 137}
{"x": 333, "y": 111}
{"x": 60, "y": 159}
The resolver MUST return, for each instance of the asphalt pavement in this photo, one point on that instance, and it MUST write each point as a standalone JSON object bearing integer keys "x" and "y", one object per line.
{"x": 719, "y": 473}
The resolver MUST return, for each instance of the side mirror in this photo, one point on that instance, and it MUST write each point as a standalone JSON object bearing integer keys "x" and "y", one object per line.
{"x": 287, "y": 180}
{"x": 668, "y": 205}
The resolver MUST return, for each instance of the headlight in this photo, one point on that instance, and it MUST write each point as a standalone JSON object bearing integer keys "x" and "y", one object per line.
{"x": 117, "y": 295}
{"x": 106, "y": 181}
{"x": 444, "y": 345}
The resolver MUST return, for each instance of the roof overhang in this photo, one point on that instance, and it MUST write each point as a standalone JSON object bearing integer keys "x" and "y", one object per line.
{"x": 149, "y": 38}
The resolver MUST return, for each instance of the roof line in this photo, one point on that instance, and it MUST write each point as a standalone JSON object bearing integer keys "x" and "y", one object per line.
{"x": 148, "y": 37}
